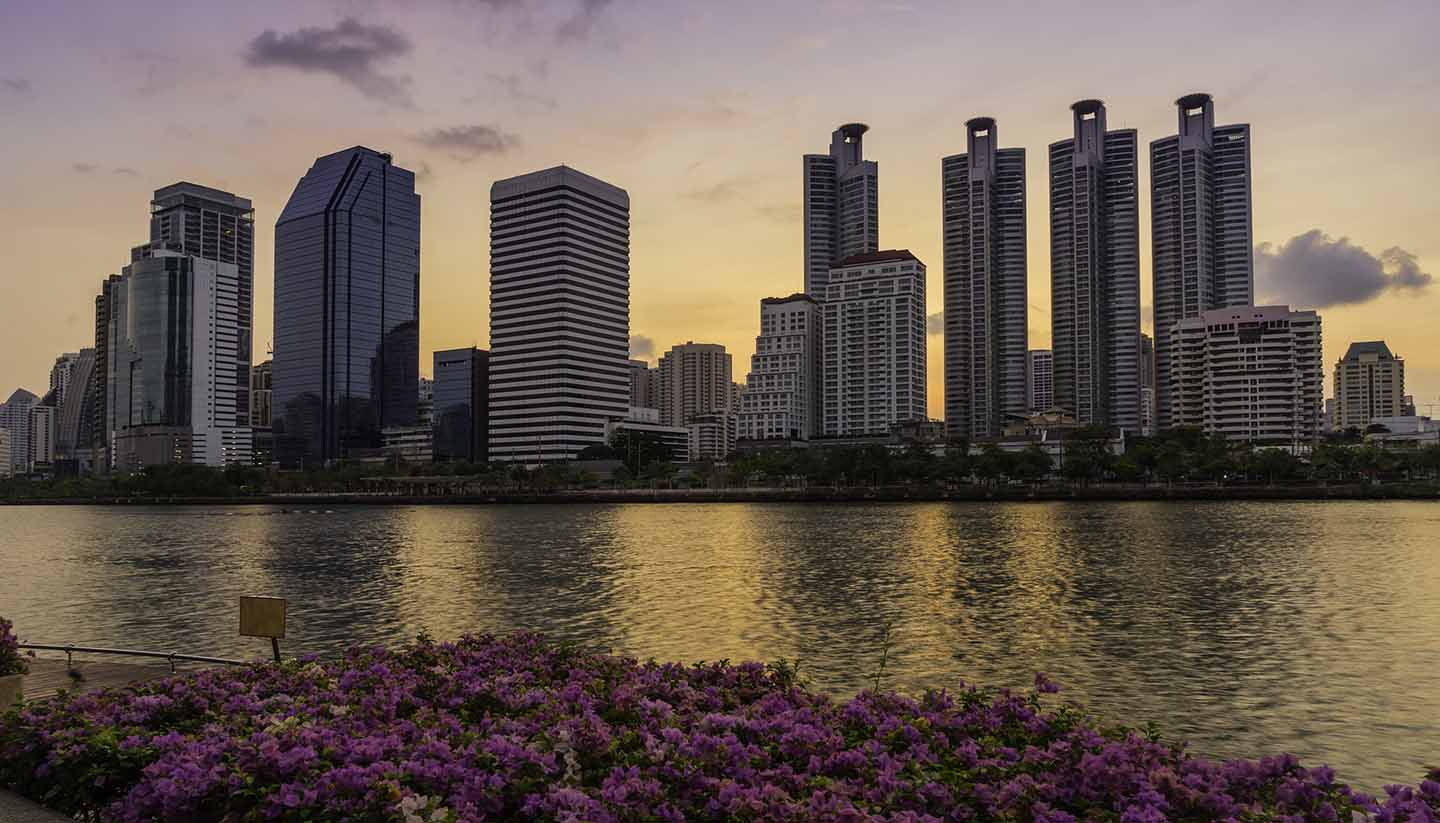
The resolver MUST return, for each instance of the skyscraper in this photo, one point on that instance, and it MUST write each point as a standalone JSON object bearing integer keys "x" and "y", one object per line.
{"x": 1200, "y": 227}
{"x": 1095, "y": 270}
{"x": 874, "y": 344}
{"x": 76, "y": 406}
{"x": 983, "y": 206}
{"x": 559, "y": 314}
{"x": 1249, "y": 373}
{"x": 462, "y": 405}
{"x": 1040, "y": 380}
{"x": 216, "y": 225}
{"x": 842, "y": 205}
{"x": 347, "y": 308}
{"x": 781, "y": 400}
{"x": 61, "y": 375}
{"x": 1369, "y": 383}
{"x": 693, "y": 378}
{"x": 15, "y": 418}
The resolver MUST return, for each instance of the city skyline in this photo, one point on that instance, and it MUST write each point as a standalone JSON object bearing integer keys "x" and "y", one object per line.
{"x": 682, "y": 161}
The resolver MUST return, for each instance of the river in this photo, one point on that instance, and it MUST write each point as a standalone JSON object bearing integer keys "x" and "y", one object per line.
{"x": 1245, "y": 628}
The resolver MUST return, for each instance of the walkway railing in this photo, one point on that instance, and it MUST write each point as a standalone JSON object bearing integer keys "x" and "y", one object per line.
{"x": 70, "y": 649}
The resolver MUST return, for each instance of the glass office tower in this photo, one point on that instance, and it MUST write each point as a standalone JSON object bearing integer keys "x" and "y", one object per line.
{"x": 347, "y": 308}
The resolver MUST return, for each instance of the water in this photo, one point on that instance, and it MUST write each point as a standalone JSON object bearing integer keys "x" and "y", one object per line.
{"x": 1245, "y": 628}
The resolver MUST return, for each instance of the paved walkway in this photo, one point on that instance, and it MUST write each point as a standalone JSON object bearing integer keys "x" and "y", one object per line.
{"x": 48, "y": 676}
{"x": 16, "y": 809}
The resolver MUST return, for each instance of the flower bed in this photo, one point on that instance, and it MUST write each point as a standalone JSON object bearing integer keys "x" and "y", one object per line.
{"x": 513, "y": 728}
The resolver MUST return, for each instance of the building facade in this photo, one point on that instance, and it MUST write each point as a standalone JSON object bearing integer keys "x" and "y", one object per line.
{"x": 76, "y": 405}
{"x": 781, "y": 400}
{"x": 873, "y": 344}
{"x": 1251, "y": 373}
{"x": 559, "y": 314}
{"x": 262, "y": 381}
{"x": 1040, "y": 380}
{"x": 1369, "y": 383}
{"x": 983, "y": 207}
{"x": 644, "y": 385}
{"x": 1200, "y": 224}
{"x": 712, "y": 435}
{"x": 6, "y": 469}
{"x": 842, "y": 205}
{"x": 462, "y": 405}
{"x": 1095, "y": 270}
{"x": 43, "y": 424}
{"x": 347, "y": 308}
{"x": 693, "y": 378}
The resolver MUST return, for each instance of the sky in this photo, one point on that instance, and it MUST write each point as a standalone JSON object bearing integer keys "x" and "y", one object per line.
{"x": 702, "y": 112}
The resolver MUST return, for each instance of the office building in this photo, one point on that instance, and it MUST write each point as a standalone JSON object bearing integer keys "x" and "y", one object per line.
{"x": 76, "y": 410}
{"x": 781, "y": 400}
{"x": 100, "y": 420}
{"x": 983, "y": 193}
{"x": 347, "y": 308}
{"x": 62, "y": 374}
{"x": 646, "y": 437}
{"x": 15, "y": 418}
{"x": 1200, "y": 225}
{"x": 644, "y": 385}
{"x": 1369, "y": 383}
{"x": 559, "y": 314}
{"x": 873, "y": 344}
{"x": 43, "y": 422}
{"x": 1040, "y": 380}
{"x": 1095, "y": 271}
{"x": 842, "y": 205}
{"x": 1251, "y": 373}
{"x": 693, "y": 378}
{"x": 262, "y": 381}
{"x": 462, "y": 405}
{"x": 712, "y": 435}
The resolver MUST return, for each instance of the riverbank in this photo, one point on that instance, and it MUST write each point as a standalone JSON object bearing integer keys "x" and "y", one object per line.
{"x": 447, "y": 495}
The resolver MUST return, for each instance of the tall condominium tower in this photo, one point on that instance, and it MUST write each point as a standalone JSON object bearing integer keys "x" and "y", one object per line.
{"x": 462, "y": 405}
{"x": 842, "y": 205}
{"x": 1200, "y": 224}
{"x": 347, "y": 308}
{"x": 215, "y": 225}
{"x": 1040, "y": 380}
{"x": 644, "y": 385}
{"x": 559, "y": 314}
{"x": 983, "y": 194}
{"x": 693, "y": 378}
{"x": 1249, "y": 373}
{"x": 781, "y": 399}
{"x": 1095, "y": 270}
{"x": 15, "y": 418}
{"x": 76, "y": 402}
{"x": 1369, "y": 383}
{"x": 874, "y": 344}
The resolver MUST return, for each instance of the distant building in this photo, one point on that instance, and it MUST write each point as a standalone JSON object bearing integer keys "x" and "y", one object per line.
{"x": 43, "y": 423}
{"x": 15, "y": 418}
{"x": 6, "y": 470}
{"x": 1200, "y": 229}
{"x": 1407, "y": 405}
{"x": 425, "y": 402}
{"x": 712, "y": 435}
{"x": 1147, "y": 385}
{"x": 1249, "y": 373}
{"x": 62, "y": 374}
{"x": 462, "y": 405}
{"x": 261, "y": 383}
{"x": 781, "y": 400}
{"x": 559, "y": 314}
{"x": 644, "y": 385}
{"x": 408, "y": 444}
{"x": 983, "y": 193}
{"x": 74, "y": 431}
{"x": 693, "y": 378}
{"x": 1040, "y": 380}
{"x": 842, "y": 205}
{"x": 347, "y": 308}
{"x": 873, "y": 343}
{"x": 1095, "y": 270}
{"x": 1369, "y": 383}
{"x": 676, "y": 439}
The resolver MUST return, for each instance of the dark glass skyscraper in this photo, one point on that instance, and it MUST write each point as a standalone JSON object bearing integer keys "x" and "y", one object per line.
{"x": 842, "y": 211}
{"x": 1095, "y": 271}
{"x": 462, "y": 405}
{"x": 347, "y": 307}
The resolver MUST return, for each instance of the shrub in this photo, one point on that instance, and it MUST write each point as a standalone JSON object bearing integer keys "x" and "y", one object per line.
{"x": 11, "y": 662}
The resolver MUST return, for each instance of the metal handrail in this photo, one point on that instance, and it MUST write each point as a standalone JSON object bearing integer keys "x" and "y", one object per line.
{"x": 70, "y": 649}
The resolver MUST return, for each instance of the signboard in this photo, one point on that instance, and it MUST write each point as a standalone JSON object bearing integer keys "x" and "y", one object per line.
{"x": 262, "y": 617}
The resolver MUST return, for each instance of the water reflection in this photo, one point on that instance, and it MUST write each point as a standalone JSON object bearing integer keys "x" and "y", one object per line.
{"x": 1245, "y": 627}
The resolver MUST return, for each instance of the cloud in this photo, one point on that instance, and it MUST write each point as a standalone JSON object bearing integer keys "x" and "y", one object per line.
{"x": 786, "y": 213}
{"x": 723, "y": 192}
{"x": 468, "y": 142}
{"x": 935, "y": 323}
{"x": 423, "y": 174}
{"x": 127, "y": 171}
{"x": 83, "y": 168}
{"x": 19, "y": 85}
{"x": 351, "y": 51}
{"x": 514, "y": 88}
{"x": 1312, "y": 270}
{"x": 641, "y": 347}
{"x": 579, "y": 26}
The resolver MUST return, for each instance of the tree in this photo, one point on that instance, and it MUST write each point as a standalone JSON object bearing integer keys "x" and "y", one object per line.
{"x": 1032, "y": 464}
{"x": 992, "y": 463}
{"x": 956, "y": 466}
{"x": 1274, "y": 464}
{"x": 638, "y": 449}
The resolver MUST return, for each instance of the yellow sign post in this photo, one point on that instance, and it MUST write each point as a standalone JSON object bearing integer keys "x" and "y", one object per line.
{"x": 263, "y": 617}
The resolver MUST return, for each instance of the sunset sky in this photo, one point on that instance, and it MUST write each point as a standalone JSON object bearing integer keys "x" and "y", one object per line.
{"x": 702, "y": 111}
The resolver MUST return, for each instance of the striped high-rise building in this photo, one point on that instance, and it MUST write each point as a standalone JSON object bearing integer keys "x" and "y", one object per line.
{"x": 559, "y": 314}
{"x": 983, "y": 194}
{"x": 1201, "y": 236}
{"x": 1040, "y": 380}
{"x": 1095, "y": 270}
{"x": 842, "y": 205}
